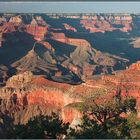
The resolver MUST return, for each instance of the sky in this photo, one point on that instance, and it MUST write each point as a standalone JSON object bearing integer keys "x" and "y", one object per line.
{"x": 70, "y": 7}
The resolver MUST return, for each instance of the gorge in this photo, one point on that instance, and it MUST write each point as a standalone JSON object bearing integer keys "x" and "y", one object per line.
{"x": 48, "y": 61}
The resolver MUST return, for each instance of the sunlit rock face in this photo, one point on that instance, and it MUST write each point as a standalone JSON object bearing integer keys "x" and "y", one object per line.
{"x": 19, "y": 79}
{"x": 129, "y": 80}
{"x": 16, "y": 20}
{"x": 68, "y": 27}
{"x": 37, "y": 95}
{"x": 37, "y": 31}
{"x": 37, "y": 27}
{"x": 86, "y": 61}
{"x": 72, "y": 41}
{"x": 107, "y": 23}
{"x": 34, "y": 96}
{"x": 51, "y": 61}
{"x": 135, "y": 66}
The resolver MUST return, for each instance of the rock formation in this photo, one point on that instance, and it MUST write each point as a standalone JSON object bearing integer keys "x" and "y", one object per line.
{"x": 31, "y": 100}
{"x": 135, "y": 66}
{"x": 3, "y": 74}
{"x": 42, "y": 53}
{"x": 16, "y": 20}
{"x": 19, "y": 80}
{"x": 37, "y": 31}
{"x": 107, "y": 23}
{"x": 135, "y": 42}
{"x": 68, "y": 27}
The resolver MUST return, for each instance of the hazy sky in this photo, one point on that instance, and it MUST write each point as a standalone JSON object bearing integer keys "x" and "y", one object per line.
{"x": 70, "y": 7}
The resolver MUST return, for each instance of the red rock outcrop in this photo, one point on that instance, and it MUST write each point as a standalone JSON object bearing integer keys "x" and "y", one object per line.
{"x": 135, "y": 66}
{"x": 68, "y": 27}
{"x": 16, "y": 20}
{"x": 129, "y": 80}
{"x": 40, "y": 92}
{"x": 37, "y": 31}
{"x": 106, "y": 23}
{"x": 72, "y": 41}
{"x": 48, "y": 45}
{"x": 44, "y": 96}
{"x": 2, "y": 19}
{"x": 7, "y": 27}
{"x": 19, "y": 79}
{"x": 26, "y": 95}
{"x": 40, "y": 21}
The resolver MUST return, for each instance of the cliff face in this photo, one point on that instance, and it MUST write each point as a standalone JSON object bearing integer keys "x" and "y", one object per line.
{"x": 129, "y": 80}
{"x": 16, "y": 20}
{"x": 37, "y": 31}
{"x": 107, "y": 23}
{"x": 29, "y": 99}
{"x": 86, "y": 61}
{"x": 52, "y": 59}
{"x": 37, "y": 50}
{"x": 6, "y": 27}
{"x": 72, "y": 41}
{"x": 37, "y": 27}
{"x": 3, "y": 74}
{"x": 36, "y": 95}
{"x": 20, "y": 79}
{"x": 68, "y": 27}
{"x": 135, "y": 66}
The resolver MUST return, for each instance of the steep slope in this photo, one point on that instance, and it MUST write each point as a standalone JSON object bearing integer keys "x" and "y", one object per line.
{"x": 3, "y": 74}
{"x": 90, "y": 62}
{"x": 16, "y": 44}
{"x": 65, "y": 52}
{"x": 58, "y": 59}
{"x": 41, "y": 60}
{"x": 33, "y": 62}
{"x": 26, "y": 95}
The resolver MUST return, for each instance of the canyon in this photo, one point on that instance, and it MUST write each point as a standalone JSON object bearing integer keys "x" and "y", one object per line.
{"x": 48, "y": 61}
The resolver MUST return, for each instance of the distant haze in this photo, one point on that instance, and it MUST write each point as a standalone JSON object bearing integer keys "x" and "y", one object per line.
{"x": 70, "y": 7}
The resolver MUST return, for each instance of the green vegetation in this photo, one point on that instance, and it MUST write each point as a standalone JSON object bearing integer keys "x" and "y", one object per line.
{"x": 101, "y": 119}
{"x": 40, "y": 127}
